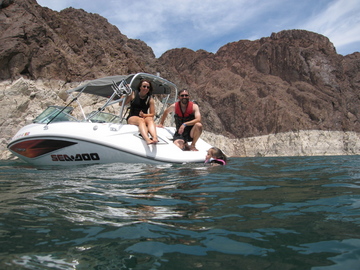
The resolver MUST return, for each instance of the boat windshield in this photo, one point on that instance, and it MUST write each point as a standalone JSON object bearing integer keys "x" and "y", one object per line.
{"x": 55, "y": 114}
{"x": 102, "y": 117}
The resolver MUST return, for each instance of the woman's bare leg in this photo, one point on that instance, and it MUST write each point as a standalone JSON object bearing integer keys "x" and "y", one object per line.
{"x": 151, "y": 128}
{"x": 140, "y": 122}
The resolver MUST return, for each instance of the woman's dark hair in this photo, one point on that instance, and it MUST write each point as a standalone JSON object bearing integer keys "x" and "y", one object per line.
{"x": 151, "y": 87}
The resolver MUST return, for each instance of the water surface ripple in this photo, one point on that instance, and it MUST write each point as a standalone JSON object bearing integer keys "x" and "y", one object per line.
{"x": 255, "y": 213}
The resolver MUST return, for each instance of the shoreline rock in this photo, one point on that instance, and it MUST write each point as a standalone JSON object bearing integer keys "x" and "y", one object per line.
{"x": 297, "y": 143}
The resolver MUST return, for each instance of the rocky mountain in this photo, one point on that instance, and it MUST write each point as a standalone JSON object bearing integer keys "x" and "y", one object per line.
{"x": 69, "y": 45}
{"x": 291, "y": 81}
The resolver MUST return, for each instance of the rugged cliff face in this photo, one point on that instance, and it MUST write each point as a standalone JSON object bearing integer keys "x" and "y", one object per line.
{"x": 293, "y": 80}
{"x": 70, "y": 45}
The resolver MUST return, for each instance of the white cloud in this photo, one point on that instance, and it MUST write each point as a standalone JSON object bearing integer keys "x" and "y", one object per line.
{"x": 340, "y": 22}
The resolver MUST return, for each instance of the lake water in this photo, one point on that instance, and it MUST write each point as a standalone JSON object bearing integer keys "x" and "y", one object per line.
{"x": 255, "y": 213}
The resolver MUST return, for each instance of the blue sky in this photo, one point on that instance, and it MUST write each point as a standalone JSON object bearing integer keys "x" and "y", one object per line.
{"x": 210, "y": 24}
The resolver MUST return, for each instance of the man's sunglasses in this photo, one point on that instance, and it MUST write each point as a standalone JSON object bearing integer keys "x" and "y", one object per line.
{"x": 184, "y": 95}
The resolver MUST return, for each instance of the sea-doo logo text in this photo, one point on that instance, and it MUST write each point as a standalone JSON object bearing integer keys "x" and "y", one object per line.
{"x": 77, "y": 157}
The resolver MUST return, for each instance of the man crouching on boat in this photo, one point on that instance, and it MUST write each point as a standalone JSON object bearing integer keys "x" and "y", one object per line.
{"x": 187, "y": 119}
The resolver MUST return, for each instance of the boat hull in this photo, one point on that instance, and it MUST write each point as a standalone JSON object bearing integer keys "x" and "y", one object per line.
{"x": 73, "y": 143}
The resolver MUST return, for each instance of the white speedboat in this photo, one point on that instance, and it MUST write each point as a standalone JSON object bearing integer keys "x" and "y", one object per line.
{"x": 58, "y": 138}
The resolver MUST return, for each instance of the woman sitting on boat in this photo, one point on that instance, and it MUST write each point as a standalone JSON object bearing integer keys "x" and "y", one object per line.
{"x": 142, "y": 111}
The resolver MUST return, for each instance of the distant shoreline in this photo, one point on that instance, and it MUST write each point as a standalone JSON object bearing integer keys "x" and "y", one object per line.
{"x": 296, "y": 143}
{"x": 22, "y": 100}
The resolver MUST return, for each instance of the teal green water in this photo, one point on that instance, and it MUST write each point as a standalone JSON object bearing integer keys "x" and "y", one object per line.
{"x": 255, "y": 213}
